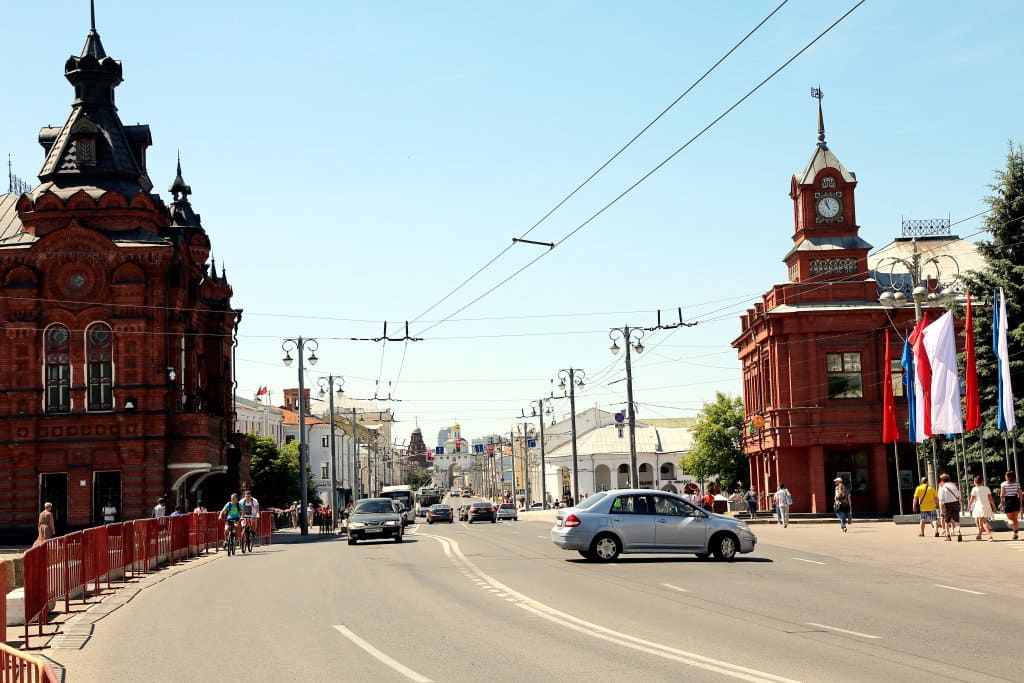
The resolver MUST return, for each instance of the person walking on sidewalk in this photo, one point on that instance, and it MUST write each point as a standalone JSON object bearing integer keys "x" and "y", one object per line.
{"x": 46, "y": 526}
{"x": 982, "y": 507}
{"x": 949, "y": 499}
{"x": 1009, "y": 496}
{"x": 783, "y": 500}
{"x": 926, "y": 502}
{"x": 841, "y": 501}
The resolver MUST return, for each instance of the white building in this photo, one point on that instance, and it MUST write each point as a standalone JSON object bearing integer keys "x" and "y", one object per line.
{"x": 603, "y": 458}
{"x": 253, "y": 417}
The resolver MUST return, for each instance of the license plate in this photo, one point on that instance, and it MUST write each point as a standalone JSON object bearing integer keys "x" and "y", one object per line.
{"x": 372, "y": 531}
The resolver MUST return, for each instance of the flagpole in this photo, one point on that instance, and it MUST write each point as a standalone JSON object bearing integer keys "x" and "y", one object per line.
{"x": 899, "y": 489}
{"x": 981, "y": 447}
{"x": 1015, "y": 466}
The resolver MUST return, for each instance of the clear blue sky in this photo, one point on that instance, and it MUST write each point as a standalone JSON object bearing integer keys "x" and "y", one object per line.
{"x": 355, "y": 161}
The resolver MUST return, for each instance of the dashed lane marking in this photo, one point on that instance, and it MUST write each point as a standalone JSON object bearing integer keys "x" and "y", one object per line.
{"x": 843, "y": 630}
{"x": 381, "y": 657}
{"x": 675, "y": 588}
{"x": 801, "y": 559}
{"x": 961, "y": 590}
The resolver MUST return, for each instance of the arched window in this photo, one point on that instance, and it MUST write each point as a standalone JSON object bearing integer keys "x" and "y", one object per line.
{"x": 98, "y": 344}
{"x": 668, "y": 471}
{"x": 58, "y": 369}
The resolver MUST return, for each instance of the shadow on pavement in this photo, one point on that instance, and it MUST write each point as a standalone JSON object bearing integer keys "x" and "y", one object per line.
{"x": 674, "y": 560}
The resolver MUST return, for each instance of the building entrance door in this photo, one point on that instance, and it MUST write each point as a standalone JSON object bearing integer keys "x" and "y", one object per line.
{"x": 53, "y": 488}
{"x": 106, "y": 486}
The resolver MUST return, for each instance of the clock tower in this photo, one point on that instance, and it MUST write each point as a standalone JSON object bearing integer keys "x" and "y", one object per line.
{"x": 826, "y": 245}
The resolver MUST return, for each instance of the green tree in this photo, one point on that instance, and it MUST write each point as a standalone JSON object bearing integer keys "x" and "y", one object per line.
{"x": 418, "y": 479}
{"x": 716, "y": 450}
{"x": 274, "y": 473}
{"x": 1003, "y": 252}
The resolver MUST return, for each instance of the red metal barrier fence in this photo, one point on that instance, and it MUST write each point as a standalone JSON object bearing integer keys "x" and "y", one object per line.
{"x": 23, "y": 668}
{"x": 69, "y": 567}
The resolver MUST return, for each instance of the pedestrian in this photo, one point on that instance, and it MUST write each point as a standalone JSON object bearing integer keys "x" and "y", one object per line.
{"x": 177, "y": 511}
{"x": 751, "y": 503}
{"x": 47, "y": 528}
{"x": 109, "y": 512}
{"x": 200, "y": 507}
{"x": 160, "y": 509}
{"x": 949, "y": 499}
{"x": 783, "y": 499}
{"x": 982, "y": 507}
{"x": 841, "y": 503}
{"x": 926, "y": 502}
{"x": 1009, "y": 497}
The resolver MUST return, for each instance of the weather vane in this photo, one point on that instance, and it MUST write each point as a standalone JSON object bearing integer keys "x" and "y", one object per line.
{"x": 816, "y": 93}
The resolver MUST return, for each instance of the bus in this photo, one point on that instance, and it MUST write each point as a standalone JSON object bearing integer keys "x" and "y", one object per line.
{"x": 426, "y": 497}
{"x": 403, "y": 493}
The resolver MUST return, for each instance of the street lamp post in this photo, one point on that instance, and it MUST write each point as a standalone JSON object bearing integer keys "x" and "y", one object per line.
{"x": 537, "y": 409}
{"x": 300, "y": 344}
{"x": 326, "y": 385}
{"x": 893, "y": 297}
{"x": 628, "y": 334}
{"x": 574, "y": 378}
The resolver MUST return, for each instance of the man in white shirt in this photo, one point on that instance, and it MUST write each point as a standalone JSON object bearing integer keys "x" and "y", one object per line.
{"x": 159, "y": 510}
{"x": 949, "y": 500}
{"x": 250, "y": 514}
{"x": 109, "y": 512}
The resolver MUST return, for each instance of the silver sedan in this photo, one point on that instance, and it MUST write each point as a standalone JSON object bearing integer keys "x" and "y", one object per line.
{"x": 644, "y": 521}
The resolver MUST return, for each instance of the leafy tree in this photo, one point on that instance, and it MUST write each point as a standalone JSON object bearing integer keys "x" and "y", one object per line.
{"x": 716, "y": 449}
{"x": 418, "y": 479}
{"x": 1003, "y": 252}
{"x": 274, "y": 473}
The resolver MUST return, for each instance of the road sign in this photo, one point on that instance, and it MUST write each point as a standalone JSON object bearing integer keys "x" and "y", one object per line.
{"x": 531, "y": 443}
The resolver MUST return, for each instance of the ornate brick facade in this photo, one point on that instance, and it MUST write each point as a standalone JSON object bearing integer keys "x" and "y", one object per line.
{"x": 117, "y": 363}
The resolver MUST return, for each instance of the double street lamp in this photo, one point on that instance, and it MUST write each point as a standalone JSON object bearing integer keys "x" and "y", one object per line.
{"x": 631, "y": 337}
{"x": 326, "y": 385}
{"x": 573, "y": 377}
{"x": 299, "y": 345}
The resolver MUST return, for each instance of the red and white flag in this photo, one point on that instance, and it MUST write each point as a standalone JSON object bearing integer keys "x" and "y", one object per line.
{"x": 262, "y": 391}
{"x": 944, "y": 403}
{"x": 922, "y": 383}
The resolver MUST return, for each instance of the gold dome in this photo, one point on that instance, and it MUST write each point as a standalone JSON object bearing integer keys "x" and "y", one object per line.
{"x": 456, "y": 427}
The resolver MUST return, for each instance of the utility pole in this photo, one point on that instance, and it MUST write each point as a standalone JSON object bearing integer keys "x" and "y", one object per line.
{"x": 357, "y": 470}
{"x": 334, "y": 459}
{"x": 543, "y": 469}
{"x": 627, "y": 333}
{"x": 574, "y": 376}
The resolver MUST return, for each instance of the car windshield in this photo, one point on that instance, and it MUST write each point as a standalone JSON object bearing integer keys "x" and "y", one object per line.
{"x": 371, "y": 507}
{"x": 440, "y": 507}
{"x": 507, "y": 506}
{"x": 591, "y": 500}
{"x": 481, "y": 505}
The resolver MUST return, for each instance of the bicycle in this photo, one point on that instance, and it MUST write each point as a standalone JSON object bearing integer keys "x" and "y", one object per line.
{"x": 231, "y": 540}
{"x": 247, "y": 534}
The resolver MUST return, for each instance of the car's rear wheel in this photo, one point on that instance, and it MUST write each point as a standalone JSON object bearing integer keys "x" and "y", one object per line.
{"x": 351, "y": 541}
{"x": 605, "y": 548}
{"x": 724, "y": 547}
{"x": 398, "y": 538}
{"x": 584, "y": 553}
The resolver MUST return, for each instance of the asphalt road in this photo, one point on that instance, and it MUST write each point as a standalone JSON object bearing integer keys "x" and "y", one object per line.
{"x": 499, "y": 602}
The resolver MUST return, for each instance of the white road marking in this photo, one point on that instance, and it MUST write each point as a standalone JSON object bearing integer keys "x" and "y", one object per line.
{"x": 544, "y": 537}
{"x": 569, "y": 621}
{"x": 962, "y": 590}
{"x": 381, "y": 657}
{"x": 811, "y": 561}
{"x": 675, "y": 588}
{"x": 843, "y": 630}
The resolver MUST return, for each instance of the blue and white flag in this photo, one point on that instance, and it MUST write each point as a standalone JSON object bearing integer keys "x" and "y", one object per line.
{"x": 1006, "y": 419}
{"x": 915, "y": 431}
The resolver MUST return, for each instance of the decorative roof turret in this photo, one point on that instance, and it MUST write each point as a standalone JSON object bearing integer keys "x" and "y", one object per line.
{"x": 823, "y": 156}
{"x": 182, "y": 214}
{"x": 178, "y": 187}
{"x": 94, "y": 150}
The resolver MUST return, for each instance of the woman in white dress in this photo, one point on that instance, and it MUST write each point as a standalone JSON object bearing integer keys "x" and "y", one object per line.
{"x": 982, "y": 506}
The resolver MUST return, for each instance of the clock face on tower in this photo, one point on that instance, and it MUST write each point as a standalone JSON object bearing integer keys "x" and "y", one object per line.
{"x": 828, "y": 207}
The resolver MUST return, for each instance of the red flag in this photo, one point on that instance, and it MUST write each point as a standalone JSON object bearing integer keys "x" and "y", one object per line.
{"x": 973, "y": 413}
{"x": 922, "y": 375}
{"x": 889, "y": 431}
{"x": 262, "y": 391}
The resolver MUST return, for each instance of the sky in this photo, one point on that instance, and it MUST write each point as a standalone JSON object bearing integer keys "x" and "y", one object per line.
{"x": 359, "y": 162}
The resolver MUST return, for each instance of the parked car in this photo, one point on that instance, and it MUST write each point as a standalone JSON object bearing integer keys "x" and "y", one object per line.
{"x": 481, "y": 510}
{"x": 374, "y": 518}
{"x": 539, "y": 506}
{"x": 508, "y": 511}
{"x": 439, "y": 513}
{"x": 643, "y": 521}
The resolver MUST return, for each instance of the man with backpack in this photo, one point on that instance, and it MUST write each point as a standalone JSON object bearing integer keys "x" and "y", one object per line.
{"x": 926, "y": 502}
{"x": 231, "y": 513}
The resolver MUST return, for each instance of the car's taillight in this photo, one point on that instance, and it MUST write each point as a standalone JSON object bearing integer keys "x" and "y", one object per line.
{"x": 572, "y": 520}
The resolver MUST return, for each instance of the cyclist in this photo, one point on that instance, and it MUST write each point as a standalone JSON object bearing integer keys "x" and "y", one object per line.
{"x": 250, "y": 512}
{"x": 231, "y": 513}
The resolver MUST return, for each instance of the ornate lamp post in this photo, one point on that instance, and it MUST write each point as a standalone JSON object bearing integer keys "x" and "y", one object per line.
{"x": 326, "y": 385}
{"x": 299, "y": 345}
{"x": 574, "y": 378}
{"x": 893, "y": 296}
{"x": 537, "y": 410}
{"x": 632, "y": 338}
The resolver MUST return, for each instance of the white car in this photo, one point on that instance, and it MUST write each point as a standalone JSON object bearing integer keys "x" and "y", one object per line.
{"x": 508, "y": 511}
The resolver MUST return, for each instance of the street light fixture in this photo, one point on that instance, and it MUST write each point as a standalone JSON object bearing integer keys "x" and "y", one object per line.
{"x": 299, "y": 345}
{"x": 326, "y": 385}
{"x": 537, "y": 410}
{"x": 574, "y": 378}
{"x": 631, "y": 337}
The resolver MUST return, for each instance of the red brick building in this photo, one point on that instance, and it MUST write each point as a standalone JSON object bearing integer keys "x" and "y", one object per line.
{"x": 116, "y": 366}
{"x": 812, "y": 353}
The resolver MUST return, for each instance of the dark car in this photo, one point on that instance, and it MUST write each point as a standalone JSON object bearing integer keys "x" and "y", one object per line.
{"x": 439, "y": 513}
{"x": 481, "y": 510}
{"x": 374, "y": 518}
